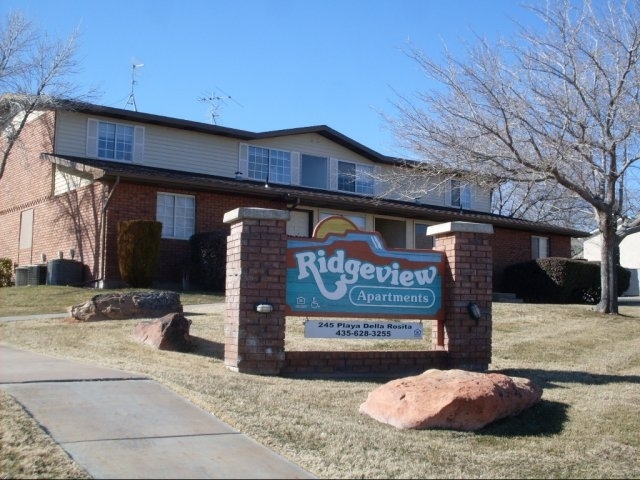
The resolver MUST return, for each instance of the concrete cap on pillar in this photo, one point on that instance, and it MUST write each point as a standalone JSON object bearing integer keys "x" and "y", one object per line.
{"x": 450, "y": 227}
{"x": 255, "y": 213}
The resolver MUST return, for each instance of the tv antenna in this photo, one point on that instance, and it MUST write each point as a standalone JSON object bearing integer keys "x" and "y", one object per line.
{"x": 214, "y": 101}
{"x": 132, "y": 99}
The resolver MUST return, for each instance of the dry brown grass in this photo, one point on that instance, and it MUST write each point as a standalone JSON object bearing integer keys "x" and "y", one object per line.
{"x": 26, "y": 451}
{"x": 586, "y": 426}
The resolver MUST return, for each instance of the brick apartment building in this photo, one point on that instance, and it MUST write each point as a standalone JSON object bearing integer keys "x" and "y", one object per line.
{"x": 79, "y": 169}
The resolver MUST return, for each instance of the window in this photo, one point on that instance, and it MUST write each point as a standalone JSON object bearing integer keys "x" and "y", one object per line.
{"x": 26, "y": 228}
{"x": 394, "y": 232}
{"x": 269, "y": 165}
{"x": 177, "y": 213}
{"x": 353, "y": 177}
{"x": 313, "y": 171}
{"x": 421, "y": 240}
{"x": 460, "y": 195}
{"x": 114, "y": 141}
{"x": 539, "y": 247}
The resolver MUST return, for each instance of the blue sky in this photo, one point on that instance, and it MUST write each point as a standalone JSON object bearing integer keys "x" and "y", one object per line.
{"x": 285, "y": 63}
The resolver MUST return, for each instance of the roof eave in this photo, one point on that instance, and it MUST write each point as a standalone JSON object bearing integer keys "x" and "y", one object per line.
{"x": 308, "y": 196}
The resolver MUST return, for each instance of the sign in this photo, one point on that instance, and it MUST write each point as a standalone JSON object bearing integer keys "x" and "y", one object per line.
{"x": 370, "y": 330}
{"x": 352, "y": 274}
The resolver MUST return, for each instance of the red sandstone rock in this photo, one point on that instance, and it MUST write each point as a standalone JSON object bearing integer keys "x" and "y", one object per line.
{"x": 170, "y": 332}
{"x": 451, "y": 399}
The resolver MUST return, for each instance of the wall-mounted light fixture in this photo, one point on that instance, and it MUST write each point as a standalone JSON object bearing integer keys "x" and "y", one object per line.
{"x": 238, "y": 175}
{"x": 474, "y": 311}
{"x": 264, "y": 307}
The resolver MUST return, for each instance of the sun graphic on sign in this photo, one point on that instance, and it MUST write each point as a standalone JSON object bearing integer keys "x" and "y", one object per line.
{"x": 333, "y": 225}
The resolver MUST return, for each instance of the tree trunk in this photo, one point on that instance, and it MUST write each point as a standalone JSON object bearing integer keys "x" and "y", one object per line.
{"x": 608, "y": 272}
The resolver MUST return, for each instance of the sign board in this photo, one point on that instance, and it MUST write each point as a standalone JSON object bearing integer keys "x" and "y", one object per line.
{"x": 369, "y": 330}
{"x": 353, "y": 274}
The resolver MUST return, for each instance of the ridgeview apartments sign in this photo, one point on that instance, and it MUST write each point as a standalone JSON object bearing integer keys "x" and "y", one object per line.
{"x": 353, "y": 274}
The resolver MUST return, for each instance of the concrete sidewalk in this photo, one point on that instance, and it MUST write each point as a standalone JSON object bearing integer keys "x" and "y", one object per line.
{"x": 119, "y": 425}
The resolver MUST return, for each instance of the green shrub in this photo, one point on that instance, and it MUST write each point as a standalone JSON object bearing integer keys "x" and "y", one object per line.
{"x": 624, "y": 280}
{"x": 559, "y": 280}
{"x": 6, "y": 272}
{"x": 209, "y": 259}
{"x": 138, "y": 251}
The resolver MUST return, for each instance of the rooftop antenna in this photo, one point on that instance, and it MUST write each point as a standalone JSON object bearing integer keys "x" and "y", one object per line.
{"x": 214, "y": 100}
{"x": 132, "y": 99}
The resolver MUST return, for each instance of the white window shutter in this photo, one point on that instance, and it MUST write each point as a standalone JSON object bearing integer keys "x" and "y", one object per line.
{"x": 448, "y": 197}
{"x": 295, "y": 168}
{"x": 378, "y": 188}
{"x": 243, "y": 161}
{"x": 465, "y": 196}
{"x": 333, "y": 174}
{"x": 92, "y": 138}
{"x": 138, "y": 144}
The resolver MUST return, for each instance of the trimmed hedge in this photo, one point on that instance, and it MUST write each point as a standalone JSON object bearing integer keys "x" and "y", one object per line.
{"x": 138, "y": 251}
{"x": 559, "y": 280}
{"x": 209, "y": 259}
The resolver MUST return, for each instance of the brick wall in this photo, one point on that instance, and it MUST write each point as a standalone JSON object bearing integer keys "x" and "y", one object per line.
{"x": 138, "y": 201}
{"x": 365, "y": 363}
{"x": 60, "y": 223}
{"x": 514, "y": 246}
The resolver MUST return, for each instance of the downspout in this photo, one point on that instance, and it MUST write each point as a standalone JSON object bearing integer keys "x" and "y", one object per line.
{"x": 103, "y": 230}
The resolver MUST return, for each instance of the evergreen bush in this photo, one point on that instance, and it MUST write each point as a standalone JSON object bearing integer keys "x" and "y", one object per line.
{"x": 6, "y": 272}
{"x": 209, "y": 259}
{"x": 559, "y": 280}
{"x": 138, "y": 251}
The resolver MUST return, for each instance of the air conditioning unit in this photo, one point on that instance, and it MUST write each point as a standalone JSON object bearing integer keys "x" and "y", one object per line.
{"x": 62, "y": 271}
{"x": 22, "y": 276}
{"x": 37, "y": 275}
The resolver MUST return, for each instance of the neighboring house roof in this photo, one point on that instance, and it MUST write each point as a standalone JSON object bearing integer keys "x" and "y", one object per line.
{"x": 291, "y": 195}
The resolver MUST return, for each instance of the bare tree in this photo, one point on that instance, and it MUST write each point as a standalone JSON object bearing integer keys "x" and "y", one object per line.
{"x": 549, "y": 204}
{"x": 34, "y": 74}
{"x": 557, "y": 107}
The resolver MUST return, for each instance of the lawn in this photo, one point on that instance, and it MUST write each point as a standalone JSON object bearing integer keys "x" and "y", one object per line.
{"x": 586, "y": 426}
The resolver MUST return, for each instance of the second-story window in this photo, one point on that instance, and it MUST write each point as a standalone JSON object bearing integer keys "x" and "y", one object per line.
{"x": 114, "y": 141}
{"x": 354, "y": 177}
{"x": 269, "y": 165}
{"x": 314, "y": 171}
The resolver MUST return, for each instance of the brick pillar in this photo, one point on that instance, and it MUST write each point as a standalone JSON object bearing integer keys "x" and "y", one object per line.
{"x": 468, "y": 279}
{"x": 256, "y": 274}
